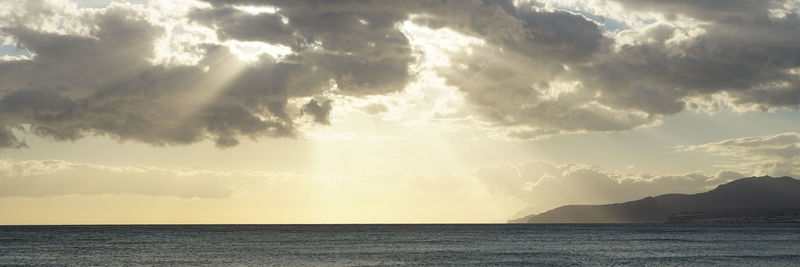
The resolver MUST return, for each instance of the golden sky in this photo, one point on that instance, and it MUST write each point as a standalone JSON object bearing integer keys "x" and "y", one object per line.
{"x": 205, "y": 111}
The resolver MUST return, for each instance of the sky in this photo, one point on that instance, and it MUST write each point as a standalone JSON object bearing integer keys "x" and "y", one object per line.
{"x": 274, "y": 112}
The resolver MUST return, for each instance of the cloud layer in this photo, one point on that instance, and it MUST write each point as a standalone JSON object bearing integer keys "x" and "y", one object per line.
{"x": 545, "y": 185}
{"x": 775, "y": 155}
{"x": 55, "y": 178}
{"x": 224, "y": 70}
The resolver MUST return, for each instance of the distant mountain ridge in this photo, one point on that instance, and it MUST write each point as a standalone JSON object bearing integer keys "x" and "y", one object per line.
{"x": 752, "y": 199}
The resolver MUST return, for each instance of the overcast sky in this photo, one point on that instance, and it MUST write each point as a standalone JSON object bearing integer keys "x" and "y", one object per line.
{"x": 257, "y": 111}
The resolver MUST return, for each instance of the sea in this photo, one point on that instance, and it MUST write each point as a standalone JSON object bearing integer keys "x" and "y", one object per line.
{"x": 404, "y": 244}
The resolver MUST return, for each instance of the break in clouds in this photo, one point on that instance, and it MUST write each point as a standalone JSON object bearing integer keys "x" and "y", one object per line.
{"x": 172, "y": 74}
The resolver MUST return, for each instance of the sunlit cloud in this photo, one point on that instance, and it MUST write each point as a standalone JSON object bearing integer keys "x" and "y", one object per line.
{"x": 253, "y": 51}
{"x": 255, "y": 10}
{"x": 530, "y": 70}
{"x": 775, "y": 155}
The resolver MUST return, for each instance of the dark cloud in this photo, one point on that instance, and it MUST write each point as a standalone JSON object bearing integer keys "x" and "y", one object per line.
{"x": 360, "y": 47}
{"x": 559, "y": 36}
{"x": 710, "y": 10}
{"x": 320, "y": 110}
{"x": 7, "y": 139}
{"x": 524, "y": 81}
{"x": 743, "y": 53}
{"x": 540, "y": 72}
{"x": 750, "y": 61}
{"x": 106, "y": 84}
{"x": 236, "y": 24}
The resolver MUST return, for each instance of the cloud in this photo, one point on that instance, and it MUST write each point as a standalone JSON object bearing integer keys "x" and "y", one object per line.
{"x": 104, "y": 80}
{"x": 114, "y": 192}
{"x": 559, "y": 72}
{"x": 359, "y": 47}
{"x": 319, "y": 110}
{"x": 775, "y": 155}
{"x": 105, "y": 71}
{"x": 43, "y": 178}
{"x": 573, "y": 78}
{"x": 7, "y": 139}
{"x": 526, "y": 82}
{"x": 105, "y": 83}
{"x": 714, "y": 10}
{"x": 749, "y": 61}
{"x": 216, "y": 70}
{"x": 547, "y": 185}
{"x": 375, "y": 108}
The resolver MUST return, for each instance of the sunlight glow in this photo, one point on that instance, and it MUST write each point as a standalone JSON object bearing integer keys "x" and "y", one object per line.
{"x": 181, "y": 43}
{"x": 255, "y": 10}
{"x": 435, "y": 44}
{"x": 249, "y": 51}
{"x": 212, "y": 81}
{"x": 554, "y": 90}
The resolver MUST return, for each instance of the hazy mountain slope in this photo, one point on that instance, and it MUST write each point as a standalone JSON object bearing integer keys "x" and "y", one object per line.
{"x": 743, "y": 194}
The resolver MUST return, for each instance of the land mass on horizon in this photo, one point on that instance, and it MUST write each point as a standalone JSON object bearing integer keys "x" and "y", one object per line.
{"x": 746, "y": 200}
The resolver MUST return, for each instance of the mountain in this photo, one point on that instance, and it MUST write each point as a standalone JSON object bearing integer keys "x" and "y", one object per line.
{"x": 752, "y": 199}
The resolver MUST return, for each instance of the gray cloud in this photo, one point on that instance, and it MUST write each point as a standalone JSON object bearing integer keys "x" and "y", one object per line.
{"x": 360, "y": 47}
{"x": 541, "y": 72}
{"x": 7, "y": 139}
{"x": 748, "y": 60}
{"x": 547, "y": 185}
{"x": 744, "y": 53}
{"x": 714, "y": 10}
{"x": 319, "y": 110}
{"x": 524, "y": 81}
{"x": 375, "y": 108}
{"x": 236, "y": 24}
{"x": 105, "y": 84}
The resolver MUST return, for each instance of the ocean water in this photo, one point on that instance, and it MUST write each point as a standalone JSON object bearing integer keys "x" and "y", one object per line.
{"x": 463, "y": 244}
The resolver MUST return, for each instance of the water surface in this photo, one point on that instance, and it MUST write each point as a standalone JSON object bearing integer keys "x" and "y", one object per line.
{"x": 456, "y": 244}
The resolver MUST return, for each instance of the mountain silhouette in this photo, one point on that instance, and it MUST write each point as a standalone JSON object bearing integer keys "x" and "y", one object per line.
{"x": 753, "y": 199}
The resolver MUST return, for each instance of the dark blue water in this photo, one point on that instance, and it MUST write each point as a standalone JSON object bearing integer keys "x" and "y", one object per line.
{"x": 500, "y": 244}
